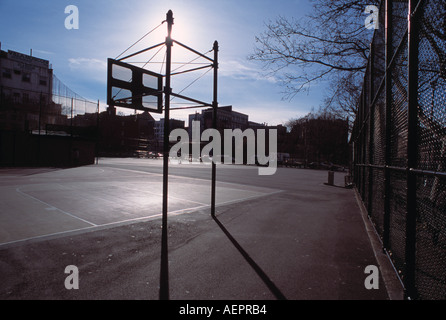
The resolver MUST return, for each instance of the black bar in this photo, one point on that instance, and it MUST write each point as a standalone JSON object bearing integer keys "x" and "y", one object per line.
{"x": 97, "y": 135}
{"x": 214, "y": 125}
{"x": 365, "y": 115}
{"x": 194, "y": 51}
{"x": 189, "y": 107}
{"x": 436, "y": 174}
{"x": 388, "y": 104}
{"x": 164, "y": 273}
{"x": 409, "y": 277}
{"x": 141, "y": 51}
{"x": 71, "y": 120}
{"x": 371, "y": 98}
{"x": 375, "y": 166}
{"x": 399, "y": 169}
{"x": 191, "y": 70}
{"x": 40, "y": 110}
{"x": 40, "y": 122}
{"x": 190, "y": 99}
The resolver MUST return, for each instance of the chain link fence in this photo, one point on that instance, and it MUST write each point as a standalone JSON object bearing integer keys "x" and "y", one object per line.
{"x": 58, "y": 112}
{"x": 53, "y": 127}
{"x": 399, "y": 142}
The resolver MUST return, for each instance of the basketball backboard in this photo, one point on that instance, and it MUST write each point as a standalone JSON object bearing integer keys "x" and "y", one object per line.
{"x": 131, "y": 87}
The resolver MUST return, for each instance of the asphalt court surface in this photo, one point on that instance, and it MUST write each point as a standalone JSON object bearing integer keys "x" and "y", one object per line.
{"x": 48, "y": 202}
{"x": 290, "y": 230}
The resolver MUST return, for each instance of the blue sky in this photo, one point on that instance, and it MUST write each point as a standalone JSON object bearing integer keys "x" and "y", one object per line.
{"x": 106, "y": 28}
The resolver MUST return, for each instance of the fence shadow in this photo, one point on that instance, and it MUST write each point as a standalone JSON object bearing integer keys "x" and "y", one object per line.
{"x": 268, "y": 282}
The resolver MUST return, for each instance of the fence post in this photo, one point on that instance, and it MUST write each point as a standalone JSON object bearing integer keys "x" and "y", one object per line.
{"x": 214, "y": 126}
{"x": 71, "y": 119}
{"x": 413, "y": 26}
{"x": 164, "y": 274}
{"x": 363, "y": 142}
{"x": 97, "y": 134}
{"x": 388, "y": 103}
{"x": 371, "y": 108}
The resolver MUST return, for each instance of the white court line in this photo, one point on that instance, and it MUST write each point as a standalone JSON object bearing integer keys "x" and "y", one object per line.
{"x": 240, "y": 186}
{"x": 136, "y": 171}
{"x": 176, "y": 212}
{"x": 127, "y": 221}
{"x": 160, "y": 195}
{"x": 53, "y": 207}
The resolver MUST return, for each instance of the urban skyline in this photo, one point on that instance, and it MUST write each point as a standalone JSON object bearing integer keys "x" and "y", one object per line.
{"x": 79, "y": 56}
{"x": 50, "y": 73}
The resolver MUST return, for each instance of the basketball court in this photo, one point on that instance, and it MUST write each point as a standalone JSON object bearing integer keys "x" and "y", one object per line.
{"x": 38, "y": 203}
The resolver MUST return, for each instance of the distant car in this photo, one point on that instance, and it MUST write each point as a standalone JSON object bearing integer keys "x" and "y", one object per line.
{"x": 154, "y": 155}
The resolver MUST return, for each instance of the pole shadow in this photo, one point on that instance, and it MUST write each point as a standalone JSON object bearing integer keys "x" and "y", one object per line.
{"x": 268, "y": 282}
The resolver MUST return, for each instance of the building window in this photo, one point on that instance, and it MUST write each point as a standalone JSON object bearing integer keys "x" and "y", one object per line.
{"x": 26, "y": 77}
{"x": 18, "y": 72}
{"x": 43, "y": 81}
{"x": 16, "y": 97}
{"x": 6, "y": 73}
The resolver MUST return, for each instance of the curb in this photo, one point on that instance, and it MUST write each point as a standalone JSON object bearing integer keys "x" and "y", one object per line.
{"x": 392, "y": 282}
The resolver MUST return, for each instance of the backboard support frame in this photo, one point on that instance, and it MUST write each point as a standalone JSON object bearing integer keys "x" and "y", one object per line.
{"x": 136, "y": 87}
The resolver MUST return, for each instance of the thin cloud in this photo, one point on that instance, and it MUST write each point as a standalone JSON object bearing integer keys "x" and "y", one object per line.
{"x": 87, "y": 64}
{"x": 89, "y": 67}
{"x": 243, "y": 71}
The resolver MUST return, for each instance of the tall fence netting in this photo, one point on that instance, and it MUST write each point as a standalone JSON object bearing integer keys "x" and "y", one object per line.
{"x": 402, "y": 66}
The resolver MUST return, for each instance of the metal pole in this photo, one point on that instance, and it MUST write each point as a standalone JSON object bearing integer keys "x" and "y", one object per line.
{"x": 411, "y": 152}
{"x": 71, "y": 120}
{"x": 363, "y": 140}
{"x": 97, "y": 135}
{"x": 40, "y": 111}
{"x": 40, "y": 122}
{"x": 371, "y": 120}
{"x": 214, "y": 125}
{"x": 164, "y": 273}
{"x": 388, "y": 88}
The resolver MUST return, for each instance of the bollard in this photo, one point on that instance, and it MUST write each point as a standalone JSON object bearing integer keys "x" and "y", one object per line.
{"x": 330, "y": 178}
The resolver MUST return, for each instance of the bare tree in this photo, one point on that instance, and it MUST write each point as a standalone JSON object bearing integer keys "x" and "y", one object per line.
{"x": 318, "y": 136}
{"x": 332, "y": 43}
{"x": 343, "y": 95}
